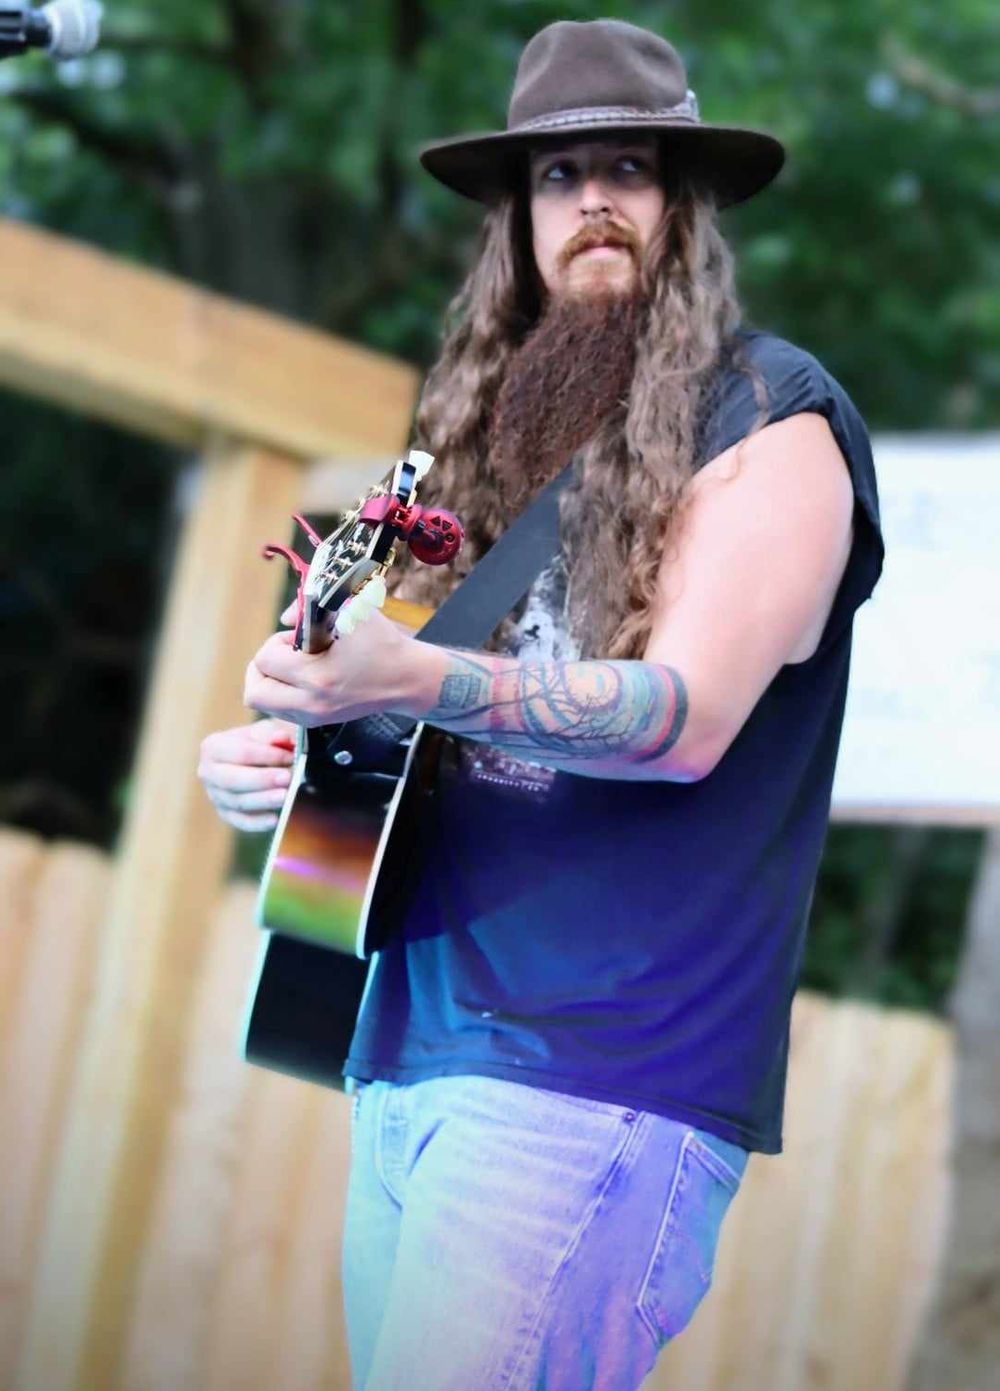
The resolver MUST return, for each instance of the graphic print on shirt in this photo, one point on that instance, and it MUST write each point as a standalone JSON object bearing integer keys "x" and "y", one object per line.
{"x": 541, "y": 635}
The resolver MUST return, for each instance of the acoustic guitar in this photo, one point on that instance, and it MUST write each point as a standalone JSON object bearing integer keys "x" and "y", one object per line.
{"x": 341, "y": 858}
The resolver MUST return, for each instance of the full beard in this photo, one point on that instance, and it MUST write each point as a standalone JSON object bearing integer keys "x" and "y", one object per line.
{"x": 570, "y": 374}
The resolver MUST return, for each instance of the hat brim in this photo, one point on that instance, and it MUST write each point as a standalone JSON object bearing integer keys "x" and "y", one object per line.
{"x": 734, "y": 163}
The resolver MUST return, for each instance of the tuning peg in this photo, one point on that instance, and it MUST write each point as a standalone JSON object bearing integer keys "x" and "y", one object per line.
{"x": 374, "y": 592}
{"x": 360, "y": 606}
{"x": 420, "y": 461}
{"x": 349, "y": 615}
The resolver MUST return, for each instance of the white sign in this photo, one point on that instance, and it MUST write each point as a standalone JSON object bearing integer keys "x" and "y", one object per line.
{"x": 922, "y": 726}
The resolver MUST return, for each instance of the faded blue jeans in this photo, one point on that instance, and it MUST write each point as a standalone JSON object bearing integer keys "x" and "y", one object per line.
{"x": 499, "y": 1237}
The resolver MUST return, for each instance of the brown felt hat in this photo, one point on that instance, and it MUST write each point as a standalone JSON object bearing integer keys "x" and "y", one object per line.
{"x": 605, "y": 77}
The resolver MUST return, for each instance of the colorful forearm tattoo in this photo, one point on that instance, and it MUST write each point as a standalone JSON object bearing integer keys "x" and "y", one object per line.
{"x": 564, "y": 713}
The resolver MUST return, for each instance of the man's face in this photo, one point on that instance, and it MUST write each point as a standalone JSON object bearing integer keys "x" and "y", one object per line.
{"x": 584, "y": 195}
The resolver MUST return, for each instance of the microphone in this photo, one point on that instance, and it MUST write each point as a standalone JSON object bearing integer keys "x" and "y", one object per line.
{"x": 66, "y": 28}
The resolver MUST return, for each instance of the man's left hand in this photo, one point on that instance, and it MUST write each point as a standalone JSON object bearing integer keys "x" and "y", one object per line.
{"x": 375, "y": 668}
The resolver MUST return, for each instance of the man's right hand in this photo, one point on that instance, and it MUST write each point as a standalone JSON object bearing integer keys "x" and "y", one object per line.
{"x": 246, "y": 772}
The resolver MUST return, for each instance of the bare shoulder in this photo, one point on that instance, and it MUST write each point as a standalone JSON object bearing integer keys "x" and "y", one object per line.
{"x": 798, "y": 453}
{"x": 749, "y": 581}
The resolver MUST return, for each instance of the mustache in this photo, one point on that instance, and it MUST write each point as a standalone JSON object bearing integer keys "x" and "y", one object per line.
{"x": 604, "y": 233}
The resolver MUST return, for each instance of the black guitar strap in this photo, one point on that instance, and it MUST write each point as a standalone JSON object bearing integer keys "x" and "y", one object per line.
{"x": 503, "y": 576}
{"x": 467, "y": 617}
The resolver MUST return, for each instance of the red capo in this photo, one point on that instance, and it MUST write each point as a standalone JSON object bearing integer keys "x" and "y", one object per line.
{"x": 300, "y": 566}
{"x": 432, "y": 534}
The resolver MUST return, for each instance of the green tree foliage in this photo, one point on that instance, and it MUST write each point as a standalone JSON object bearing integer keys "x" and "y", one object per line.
{"x": 887, "y": 916}
{"x": 268, "y": 151}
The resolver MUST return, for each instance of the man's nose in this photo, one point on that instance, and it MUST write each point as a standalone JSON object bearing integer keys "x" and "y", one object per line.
{"x": 594, "y": 196}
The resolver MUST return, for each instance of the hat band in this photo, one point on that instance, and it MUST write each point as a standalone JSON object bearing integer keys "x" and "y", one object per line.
{"x": 686, "y": 110}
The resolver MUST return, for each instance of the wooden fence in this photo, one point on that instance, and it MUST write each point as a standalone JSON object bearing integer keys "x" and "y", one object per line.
{"x": 230, "y": 1252}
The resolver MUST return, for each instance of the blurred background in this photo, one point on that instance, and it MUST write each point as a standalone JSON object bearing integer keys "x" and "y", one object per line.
{"x": 266, "y": 152}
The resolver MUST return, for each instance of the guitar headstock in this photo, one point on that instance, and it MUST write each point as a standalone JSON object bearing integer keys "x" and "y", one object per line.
{"x": 352, "y": 562}
{"x": 356, "y": 550}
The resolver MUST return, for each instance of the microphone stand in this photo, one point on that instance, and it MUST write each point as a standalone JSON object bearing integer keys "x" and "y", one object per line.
{"x": 13, "y": 31}
{"x": 59, "y": 29}
{"x": 22, "y": 28}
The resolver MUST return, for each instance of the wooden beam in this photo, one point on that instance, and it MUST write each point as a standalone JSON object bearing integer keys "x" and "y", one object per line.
{"x": 152, "y": 353}
{"x": 173, "y": 857}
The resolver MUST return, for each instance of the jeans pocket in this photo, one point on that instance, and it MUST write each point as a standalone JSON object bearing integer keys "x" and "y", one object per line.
{"x": 679, "y": 1271}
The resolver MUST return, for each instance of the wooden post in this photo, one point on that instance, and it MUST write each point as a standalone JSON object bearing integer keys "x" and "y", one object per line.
{"x": 173, "y": 857}
{"x": 960, "y": 1346}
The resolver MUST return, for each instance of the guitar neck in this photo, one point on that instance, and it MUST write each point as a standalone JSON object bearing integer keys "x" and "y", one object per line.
{"x": 368, "y": 739}
{"x": 317, "y": 629}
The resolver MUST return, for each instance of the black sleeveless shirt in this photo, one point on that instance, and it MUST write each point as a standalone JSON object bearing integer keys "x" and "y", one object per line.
{"x": 637, "y": 942}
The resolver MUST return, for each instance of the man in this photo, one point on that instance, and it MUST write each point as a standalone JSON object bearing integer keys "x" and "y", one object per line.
{"x": 580, "y": 1029}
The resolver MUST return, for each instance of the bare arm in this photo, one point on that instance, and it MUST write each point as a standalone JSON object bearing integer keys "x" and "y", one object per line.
{"x": 603, "y": 719}
{"x": 763, "y": 548}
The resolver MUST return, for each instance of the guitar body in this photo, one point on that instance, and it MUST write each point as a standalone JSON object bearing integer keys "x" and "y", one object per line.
{"x": 338, "y": 879}
{"x": 326, "y": 852}
{"x": 304, "y": 1005}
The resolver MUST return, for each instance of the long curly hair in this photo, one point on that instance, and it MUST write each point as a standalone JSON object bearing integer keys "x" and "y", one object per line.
{"x": 623, "y": 510}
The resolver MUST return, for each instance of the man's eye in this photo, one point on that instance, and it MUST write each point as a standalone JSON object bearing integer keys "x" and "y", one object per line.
{"x": 632, "y": 164}
{"x": 558, "y": 171}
